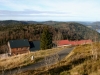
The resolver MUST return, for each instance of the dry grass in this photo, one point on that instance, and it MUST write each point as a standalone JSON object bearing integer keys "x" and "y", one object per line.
{"x": 82, "y": 61}
{"x": 78, "y": 62}
{"x": 25, "y": 59}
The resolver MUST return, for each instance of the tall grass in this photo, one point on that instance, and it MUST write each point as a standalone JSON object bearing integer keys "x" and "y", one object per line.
{"x": 25, "y": 59}
{"x": 79, "y": 62}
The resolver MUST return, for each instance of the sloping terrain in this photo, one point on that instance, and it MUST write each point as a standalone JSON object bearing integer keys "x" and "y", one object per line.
{"x": 79, "y": 62}
{"x": 25, "y": 59}
{"x": 76, "y": 31}
{"x": 23, "y": 30}
{"x": 69, "y": 30}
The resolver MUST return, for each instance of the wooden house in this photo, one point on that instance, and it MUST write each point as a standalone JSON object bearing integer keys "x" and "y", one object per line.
{"x": 18, "y": 46}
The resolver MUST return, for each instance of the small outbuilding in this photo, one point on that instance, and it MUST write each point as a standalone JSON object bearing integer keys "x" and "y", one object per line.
{"x": 34, "y": 45}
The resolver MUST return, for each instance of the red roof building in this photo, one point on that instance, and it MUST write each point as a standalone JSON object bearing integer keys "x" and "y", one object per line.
{"x": 67, "y": 42}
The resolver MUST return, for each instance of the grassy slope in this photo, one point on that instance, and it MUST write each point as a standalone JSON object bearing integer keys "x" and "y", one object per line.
{"x": 84, "y": 64}
{"x": 25, "y": 59}
{"x": 78, "y": 62}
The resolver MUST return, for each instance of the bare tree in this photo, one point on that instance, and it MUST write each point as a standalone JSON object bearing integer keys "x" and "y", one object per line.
{"x": 58, "y": 37}
{"x": 94, "y": 48}
{"x": 51, "y": 59}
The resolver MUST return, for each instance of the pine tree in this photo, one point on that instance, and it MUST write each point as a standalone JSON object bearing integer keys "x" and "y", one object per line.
{"x": 46, "y": 39}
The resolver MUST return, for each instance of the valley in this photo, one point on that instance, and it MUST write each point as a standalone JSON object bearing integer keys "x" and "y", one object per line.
{"x": 77, "y": 56}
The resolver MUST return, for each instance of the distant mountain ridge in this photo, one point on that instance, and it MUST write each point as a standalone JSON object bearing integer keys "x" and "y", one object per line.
{"x": 92, "y": 25}
{"x": 7, "y": 22}
{"x": 11, "y": 22}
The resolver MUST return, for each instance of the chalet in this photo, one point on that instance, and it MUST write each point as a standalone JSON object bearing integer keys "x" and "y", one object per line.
{"x": 18, "y": 46}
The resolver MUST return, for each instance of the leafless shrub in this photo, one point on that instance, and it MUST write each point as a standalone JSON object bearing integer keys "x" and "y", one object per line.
{"x": 51, "y": 59}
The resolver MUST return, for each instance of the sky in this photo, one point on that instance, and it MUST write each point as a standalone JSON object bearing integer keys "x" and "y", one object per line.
{"x": 55, "y": 10}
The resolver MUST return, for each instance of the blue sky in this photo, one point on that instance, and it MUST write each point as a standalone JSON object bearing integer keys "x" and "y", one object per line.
{"x": 56, "y": 10}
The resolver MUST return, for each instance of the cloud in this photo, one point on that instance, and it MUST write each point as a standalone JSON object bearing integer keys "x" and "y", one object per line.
{"x": 30, "y": 13}
{"x": 64, "y": 9}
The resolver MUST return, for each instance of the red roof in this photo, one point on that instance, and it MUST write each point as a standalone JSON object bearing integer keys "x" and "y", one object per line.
{"x": 67, "y": 42}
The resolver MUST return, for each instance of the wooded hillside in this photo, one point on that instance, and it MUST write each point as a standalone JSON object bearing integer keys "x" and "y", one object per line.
{"x": 23, "y": 30}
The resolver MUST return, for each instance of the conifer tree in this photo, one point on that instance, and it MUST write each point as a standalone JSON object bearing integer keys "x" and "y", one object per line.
{"x": 46, "y": 39}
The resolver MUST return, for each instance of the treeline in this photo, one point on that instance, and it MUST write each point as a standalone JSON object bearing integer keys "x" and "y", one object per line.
{"x": 30, "y": 32}
{"x": 76, "y": 31}
{"x": 59, "y": 31}
{"x": 70, "y": 31}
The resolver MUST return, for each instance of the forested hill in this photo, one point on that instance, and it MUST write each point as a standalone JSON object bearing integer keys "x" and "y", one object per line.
{"x": 11, "y": 22}
{"x": 15, "y": 22}
{"x": 75, "y": 31}
{"x": 32, "y": 30}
